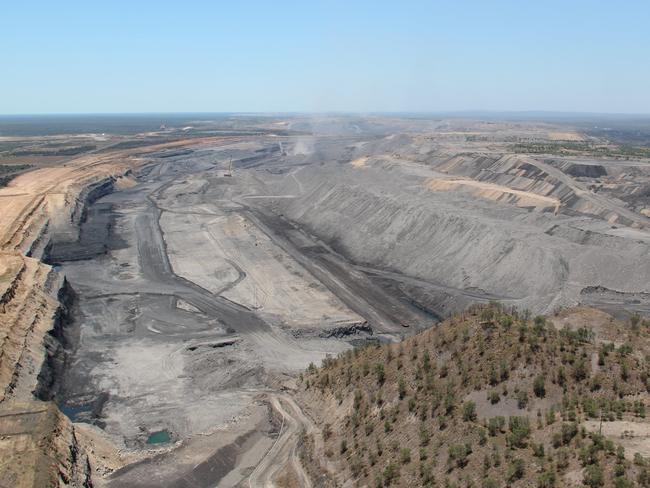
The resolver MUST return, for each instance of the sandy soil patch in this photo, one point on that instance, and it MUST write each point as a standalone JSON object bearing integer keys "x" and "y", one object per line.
{"x": 565, "y": 136}
{"x": 494, "y": 192}
{"x": 633, "y": 436}
{"x": 10, "y": 264}
{"x": 601, "y": 323}
{"x": 124, "y": 182}
{"x": 361, "y": 162}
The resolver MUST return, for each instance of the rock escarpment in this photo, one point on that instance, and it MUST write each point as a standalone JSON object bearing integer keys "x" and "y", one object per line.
{"x": 38, "y": 444}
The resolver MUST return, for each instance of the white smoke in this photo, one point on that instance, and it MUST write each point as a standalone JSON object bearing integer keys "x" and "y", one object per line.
{"x": 303, "y": 146}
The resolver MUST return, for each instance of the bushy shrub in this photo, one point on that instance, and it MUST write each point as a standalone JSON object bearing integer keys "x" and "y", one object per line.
{"x": 494, "y": 397}
{"x": 390, "y": 474}
{"x": 522, "y": 399}
{"x": 519, "y": 431}
{"x": 458, "y": 454}
{"x": 405, "y": 455}
{"x": 381, "y": 373}
{"x": 539, "y": 387}
{"x": 594, "y": 476}
{"x": 495, "y": 425}
{"x": 516, "y": 470}
{"x": 469, "y": 411}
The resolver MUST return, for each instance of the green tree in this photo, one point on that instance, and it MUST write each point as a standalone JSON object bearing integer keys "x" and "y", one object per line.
{"x": 568, "y": 432}
{"x": 401, "y": 388}
{"x": 490, "y": 483}
{"x": 594, "y": 476}
{"x": 547, "y": 480}
{"x": 522, "y": 399}
{"x": 405, "y": 455}
{"x": 381, "y": 373}
{"x": 458, "y": 454}
{"x": 519, "y": 431}
{"x": 469, "y": 411}
{"x": 580, "y": 371}
{"x": 390, "y": 474}
{"x": 494, "y": 397}
{"x": 538, "y": 387}
{"x": 495, "y": 425}
{"x": 516, "y": 470}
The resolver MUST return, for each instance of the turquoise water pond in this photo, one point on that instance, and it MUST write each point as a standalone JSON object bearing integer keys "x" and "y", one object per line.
{"x": 159, "y": 437}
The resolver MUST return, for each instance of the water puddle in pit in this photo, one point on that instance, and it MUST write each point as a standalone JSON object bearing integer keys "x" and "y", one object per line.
{"x": 82, "y": 410}
{"x": 77, "y": 413}
{"x": 160, "y": 437}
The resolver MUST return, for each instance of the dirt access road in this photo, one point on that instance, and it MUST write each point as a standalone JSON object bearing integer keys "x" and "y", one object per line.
{"x": 284, "y": 451}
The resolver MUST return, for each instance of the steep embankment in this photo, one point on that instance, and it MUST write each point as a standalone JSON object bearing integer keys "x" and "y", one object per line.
{"x": 31, "y": 316}
{"x": 489, "y": 398}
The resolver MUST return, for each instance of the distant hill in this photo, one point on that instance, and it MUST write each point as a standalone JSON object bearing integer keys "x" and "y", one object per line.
{"x": 489, "y": 398}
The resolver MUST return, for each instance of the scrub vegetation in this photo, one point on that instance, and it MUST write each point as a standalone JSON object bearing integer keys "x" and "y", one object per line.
{"x": 584, "y": 148}
{"x": 489, "y": 398}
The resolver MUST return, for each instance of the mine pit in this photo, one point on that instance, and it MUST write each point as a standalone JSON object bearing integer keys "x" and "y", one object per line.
{"x": 187, "y": 303}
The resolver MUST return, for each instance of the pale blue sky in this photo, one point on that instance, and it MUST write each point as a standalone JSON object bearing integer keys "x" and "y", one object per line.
{"x": 195, "y": 56}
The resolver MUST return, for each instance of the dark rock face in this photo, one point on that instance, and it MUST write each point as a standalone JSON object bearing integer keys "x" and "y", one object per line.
{"x": 58, "y": 344}
{"x": 95, "y": 230}
{"x": 348, "y": 330}
{"x": 586, "y": 170}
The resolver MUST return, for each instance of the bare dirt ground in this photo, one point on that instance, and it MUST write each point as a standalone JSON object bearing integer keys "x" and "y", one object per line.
{"x": 282, "y": 454}
{"x": 634, "y": 436}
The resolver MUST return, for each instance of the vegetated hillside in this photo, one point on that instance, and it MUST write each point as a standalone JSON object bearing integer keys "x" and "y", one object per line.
{"x": 488, "y": 398}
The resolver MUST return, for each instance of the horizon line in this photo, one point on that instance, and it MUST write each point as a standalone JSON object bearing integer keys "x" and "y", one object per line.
{"x": 339, "y": 112}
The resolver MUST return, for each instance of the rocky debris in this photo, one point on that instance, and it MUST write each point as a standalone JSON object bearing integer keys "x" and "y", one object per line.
{"x": 213, "y": 345}
{"x": 345, "y": 331}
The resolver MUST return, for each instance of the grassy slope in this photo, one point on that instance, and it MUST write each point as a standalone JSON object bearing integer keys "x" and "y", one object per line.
{"x": 488, "y": 398}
